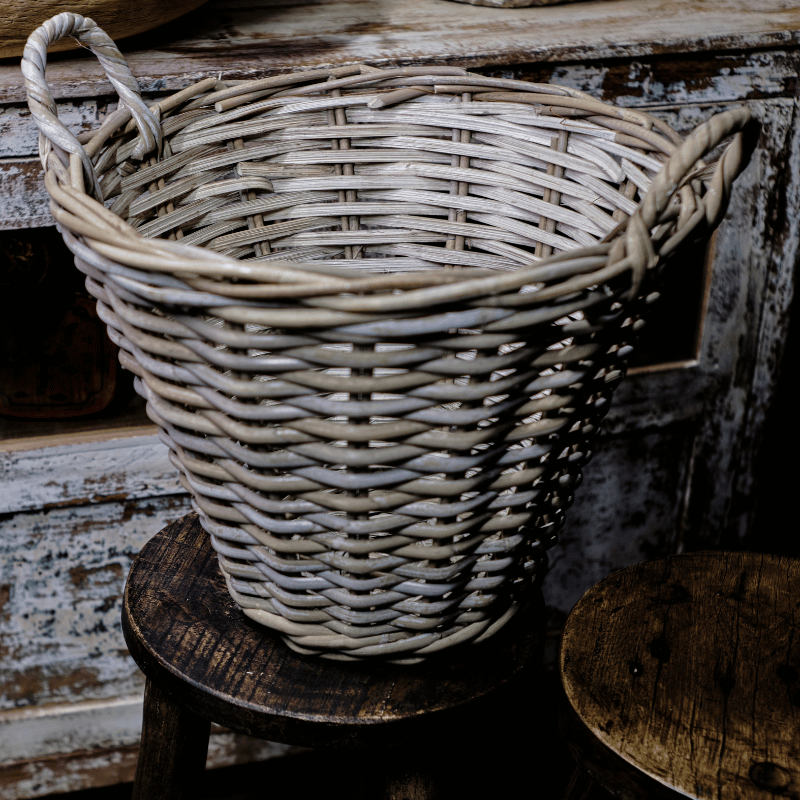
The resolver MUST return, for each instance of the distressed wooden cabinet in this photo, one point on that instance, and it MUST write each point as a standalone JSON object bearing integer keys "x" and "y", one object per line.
{"x": 677, "y": 465}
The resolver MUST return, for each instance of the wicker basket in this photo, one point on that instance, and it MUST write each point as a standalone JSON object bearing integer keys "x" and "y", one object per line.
{"x": 377, "y": 316}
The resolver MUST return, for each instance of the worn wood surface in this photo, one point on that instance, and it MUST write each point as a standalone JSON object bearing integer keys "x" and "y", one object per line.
{"x": 685, "y": 672}
{"x": 172, "y": 753}
{"x": 188, "y": 636}
{"x": 70, "y": 767}
{"x": 117, "y": 17}
{"x": 62, "y": 473}
{"x": 256, "y": 37}
{"x": 62, "y": 574}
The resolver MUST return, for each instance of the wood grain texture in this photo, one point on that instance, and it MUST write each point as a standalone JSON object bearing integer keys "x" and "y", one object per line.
{"x": 260, "y": 37}
{"x": 70, "y": 767}
{"x": 187, "y": 634}
{"x": 118, "y": 17}
{"x": 172, "y": 754}
{"x": 683, "y": 680}
{"x": 62, "y": 573}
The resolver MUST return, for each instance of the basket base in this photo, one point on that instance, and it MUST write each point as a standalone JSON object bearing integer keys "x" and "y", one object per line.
{"x": 314, "y": 616}
{"x": 383, "y": 646}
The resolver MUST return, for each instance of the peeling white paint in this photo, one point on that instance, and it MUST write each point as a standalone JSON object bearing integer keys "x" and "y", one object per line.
{"x": 38, "y": 732}
{"x": 62, "y": 574}
{"x": 19, "y": 136}
{"x": 87, "y": 472}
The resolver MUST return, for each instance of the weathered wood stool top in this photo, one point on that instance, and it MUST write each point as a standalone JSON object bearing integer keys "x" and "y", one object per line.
{"x": 683, "y": 678}
{"x": 190, "y": 638}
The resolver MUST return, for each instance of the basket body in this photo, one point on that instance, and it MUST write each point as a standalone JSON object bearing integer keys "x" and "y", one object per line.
{"x": 382, "y": 376}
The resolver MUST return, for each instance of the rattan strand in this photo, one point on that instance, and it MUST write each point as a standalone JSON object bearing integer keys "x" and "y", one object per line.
{"x": 382, "y": 373}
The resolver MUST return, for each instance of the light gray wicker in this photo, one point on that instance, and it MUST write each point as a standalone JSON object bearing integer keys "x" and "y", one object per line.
{"x": 382, "y": 372}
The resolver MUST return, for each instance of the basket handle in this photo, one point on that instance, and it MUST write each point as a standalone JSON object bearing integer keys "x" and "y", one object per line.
{"x": 43, "y": 108}
{"x": 696, "y": 146}
{"x": 636, "y": 242}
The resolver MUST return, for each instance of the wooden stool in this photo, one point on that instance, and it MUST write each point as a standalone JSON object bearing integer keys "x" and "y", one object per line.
{"x": 682, "y": 679}
{"x": 205, "y": 661}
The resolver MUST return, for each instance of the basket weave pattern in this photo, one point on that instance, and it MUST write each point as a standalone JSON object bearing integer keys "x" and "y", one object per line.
{"x": 381, "y": 376}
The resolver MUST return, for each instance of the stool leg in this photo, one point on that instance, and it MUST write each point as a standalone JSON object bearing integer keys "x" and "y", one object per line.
{"x": 173, "y": 749}
{"x": 581, "y": 786}
{"x": 410, "y": 774}
{"x": 410, "y": 785}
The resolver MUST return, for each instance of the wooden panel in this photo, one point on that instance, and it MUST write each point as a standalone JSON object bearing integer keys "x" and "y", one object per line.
{"x": 24, "y": 203}
{"x": 257, "y": 37}
{"x": 93, "y": 472}
{"x": 676, "y": 79}
{"x": 627, "y": 510}
{"x": 85, "y": 769}
{"x": 41, "y": 732}
{"x": 19, "y": 135}
{"x": 61, "y": 577}
{"x": 746, "y": 329}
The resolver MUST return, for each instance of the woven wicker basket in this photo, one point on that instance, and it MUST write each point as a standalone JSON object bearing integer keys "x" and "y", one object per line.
{"x": 377, "y": 316}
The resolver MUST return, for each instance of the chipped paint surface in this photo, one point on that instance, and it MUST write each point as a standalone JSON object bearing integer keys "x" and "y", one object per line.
{"x": 90, "y": 472}
{"x": 627, "y": 510}
{"x": 88, "y": 725}
{"x": 81, "y": 769}
{"x": 62, "y": 573}
{"x": 24, "y": 203}
{"x": 696, "y": 79}
{"x": 19, "y": 135}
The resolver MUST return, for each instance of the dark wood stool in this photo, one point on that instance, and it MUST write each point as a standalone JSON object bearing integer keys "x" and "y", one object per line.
{"x": 682, "y": 679}
{"x": 205, "y": 661}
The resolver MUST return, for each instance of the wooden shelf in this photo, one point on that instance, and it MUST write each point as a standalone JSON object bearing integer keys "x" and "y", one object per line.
{"x": 32, "y": 434}
{"x": 259, "y": 37}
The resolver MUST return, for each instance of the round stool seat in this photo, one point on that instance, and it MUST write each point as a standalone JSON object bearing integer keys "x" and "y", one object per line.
{"x": 682, "y": 678}
{"x": 190, "y": 639}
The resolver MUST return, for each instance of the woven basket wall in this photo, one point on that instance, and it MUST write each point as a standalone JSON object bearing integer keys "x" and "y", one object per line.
{"x": 378, "y": 317}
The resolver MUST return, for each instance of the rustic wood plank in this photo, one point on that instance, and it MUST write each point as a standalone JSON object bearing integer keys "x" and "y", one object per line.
{"x": 684, "y": 670}
{"x": 670, "y": 79}
{"x": 19, "y": 136}
{"x": 61, "y": 579}
{"x": 257, "y": 37}
{"x": 72, "y": 771}
{"x": 50, "y": 730}
{"x": 121, "y": 422}
{"x": 21, "y": 17}
{"x": 90, "y": 472}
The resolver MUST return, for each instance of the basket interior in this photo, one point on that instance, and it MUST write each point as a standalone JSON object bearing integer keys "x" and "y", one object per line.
{"x": 483, "y": 179}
